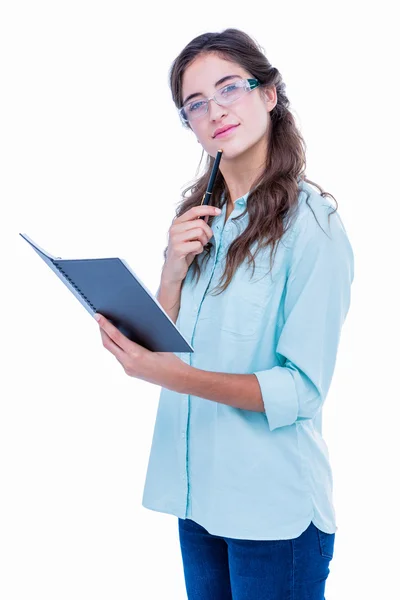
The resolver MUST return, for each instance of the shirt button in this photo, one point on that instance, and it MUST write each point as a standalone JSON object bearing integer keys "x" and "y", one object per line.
{"x": 183, "y": 434}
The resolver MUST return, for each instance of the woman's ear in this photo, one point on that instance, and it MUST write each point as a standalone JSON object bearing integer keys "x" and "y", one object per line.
{"x": 271, "y": 97}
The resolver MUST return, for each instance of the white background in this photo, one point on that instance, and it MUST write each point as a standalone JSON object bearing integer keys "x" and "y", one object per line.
{"x": 93, "y": 161}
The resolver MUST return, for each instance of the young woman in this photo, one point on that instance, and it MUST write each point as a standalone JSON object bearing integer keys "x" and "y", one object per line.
{"x": 261, "y": 289}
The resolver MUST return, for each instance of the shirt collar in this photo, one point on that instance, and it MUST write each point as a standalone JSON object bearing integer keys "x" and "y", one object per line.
{"x": 242, "y": 201}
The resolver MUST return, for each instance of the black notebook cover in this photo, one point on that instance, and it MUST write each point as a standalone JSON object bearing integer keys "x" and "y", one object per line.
{"x": 110, "y": 287}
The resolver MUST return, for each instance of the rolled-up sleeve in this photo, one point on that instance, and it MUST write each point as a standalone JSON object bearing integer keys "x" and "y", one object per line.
{"x": 315, "y": 305}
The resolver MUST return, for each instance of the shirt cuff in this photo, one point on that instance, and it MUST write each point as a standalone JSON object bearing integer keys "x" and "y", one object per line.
{"x": 279, "y": 396}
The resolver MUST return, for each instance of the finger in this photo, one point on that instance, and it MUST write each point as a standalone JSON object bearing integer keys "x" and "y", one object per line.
{"x": 197, "y": 211}
{"x": 108, "y": 343}
{"x": 117, "y": 337}
{"x": 193, "y": 234}
{"x": 190, "y": 226}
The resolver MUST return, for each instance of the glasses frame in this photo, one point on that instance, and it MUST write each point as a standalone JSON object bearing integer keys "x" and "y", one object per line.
{"x": 251, "y": 85}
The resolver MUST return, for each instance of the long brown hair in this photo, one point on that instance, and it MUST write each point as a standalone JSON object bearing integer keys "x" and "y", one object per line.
{"x": 273, "y": 199}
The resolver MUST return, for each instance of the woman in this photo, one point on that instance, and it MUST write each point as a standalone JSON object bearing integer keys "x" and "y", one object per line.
{"x": 261, "y": 289}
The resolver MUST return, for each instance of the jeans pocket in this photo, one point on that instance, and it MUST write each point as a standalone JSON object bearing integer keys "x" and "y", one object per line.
{"x": 326, "y": 543}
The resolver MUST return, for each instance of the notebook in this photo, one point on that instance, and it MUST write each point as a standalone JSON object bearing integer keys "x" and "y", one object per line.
{"x": 110, "y": 287}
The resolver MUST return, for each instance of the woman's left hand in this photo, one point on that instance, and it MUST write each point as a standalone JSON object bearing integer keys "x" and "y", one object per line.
{"x": 161, "y": 368}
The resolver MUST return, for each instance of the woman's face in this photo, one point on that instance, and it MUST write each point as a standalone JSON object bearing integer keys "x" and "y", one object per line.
{"x": 250, "y": 113}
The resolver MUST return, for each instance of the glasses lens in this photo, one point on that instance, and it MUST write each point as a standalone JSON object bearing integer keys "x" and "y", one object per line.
{"x": 226, "y": 95}
{"x": 193, "y": 110}
{"x": 231, "y": 92}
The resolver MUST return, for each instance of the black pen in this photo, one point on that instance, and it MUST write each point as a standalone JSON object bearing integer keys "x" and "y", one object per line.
{"x": 207, "y": 196}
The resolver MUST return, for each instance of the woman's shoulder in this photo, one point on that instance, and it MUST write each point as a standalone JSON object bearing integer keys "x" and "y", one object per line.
{"x": 315, "y": 213}
{"x": 310, "y": 200}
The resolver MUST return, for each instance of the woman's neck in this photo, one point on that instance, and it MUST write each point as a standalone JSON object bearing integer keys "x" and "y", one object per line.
{"x": 241, "y": 172}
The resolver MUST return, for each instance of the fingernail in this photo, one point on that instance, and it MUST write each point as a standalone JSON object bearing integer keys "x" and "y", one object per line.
{"x": 217, "y": 210}
{"x": 97, "y": 317}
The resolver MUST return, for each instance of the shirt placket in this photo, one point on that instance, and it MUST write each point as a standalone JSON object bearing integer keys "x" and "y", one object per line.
{"x": 221, "y": 234}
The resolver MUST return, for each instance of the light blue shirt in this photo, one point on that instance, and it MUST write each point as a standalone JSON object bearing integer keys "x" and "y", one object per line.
{"x": 245, "y": 474}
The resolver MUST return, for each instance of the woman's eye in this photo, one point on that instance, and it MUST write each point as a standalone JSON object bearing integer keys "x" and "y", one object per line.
{"x": 229, "y": 88}
{"x": 195, "y": 106}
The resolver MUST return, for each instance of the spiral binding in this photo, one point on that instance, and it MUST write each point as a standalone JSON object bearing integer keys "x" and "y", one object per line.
{"x": 75, "y": 286}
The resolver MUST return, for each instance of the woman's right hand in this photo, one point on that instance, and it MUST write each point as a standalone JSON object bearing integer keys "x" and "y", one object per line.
{"x": 187, "y": 237}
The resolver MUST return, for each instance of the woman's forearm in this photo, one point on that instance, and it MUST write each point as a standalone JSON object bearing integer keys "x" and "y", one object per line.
{"x": 237, "y": 390}
{"x": 169, "y": 296}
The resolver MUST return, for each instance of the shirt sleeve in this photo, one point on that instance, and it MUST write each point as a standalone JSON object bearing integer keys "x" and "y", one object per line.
{"x": 320, "y": 274}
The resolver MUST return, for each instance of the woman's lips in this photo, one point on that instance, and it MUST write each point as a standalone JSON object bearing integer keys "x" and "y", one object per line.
{"x": 226, "y": 132}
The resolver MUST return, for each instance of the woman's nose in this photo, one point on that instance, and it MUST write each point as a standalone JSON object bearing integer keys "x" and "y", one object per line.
{"x": 216, "y": 111}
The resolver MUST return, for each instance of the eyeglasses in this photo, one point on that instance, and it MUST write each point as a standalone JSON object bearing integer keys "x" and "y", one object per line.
{"x": 224, "y": 96}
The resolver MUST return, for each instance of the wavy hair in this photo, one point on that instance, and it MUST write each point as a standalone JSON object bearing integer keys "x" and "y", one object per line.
{"x": 273, "y": 198}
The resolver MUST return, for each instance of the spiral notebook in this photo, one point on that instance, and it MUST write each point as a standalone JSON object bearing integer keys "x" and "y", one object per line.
{"x": 110, "y": 287}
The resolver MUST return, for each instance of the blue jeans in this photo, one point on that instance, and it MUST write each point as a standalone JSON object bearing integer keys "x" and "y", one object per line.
{"x": 221, "y": 568}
